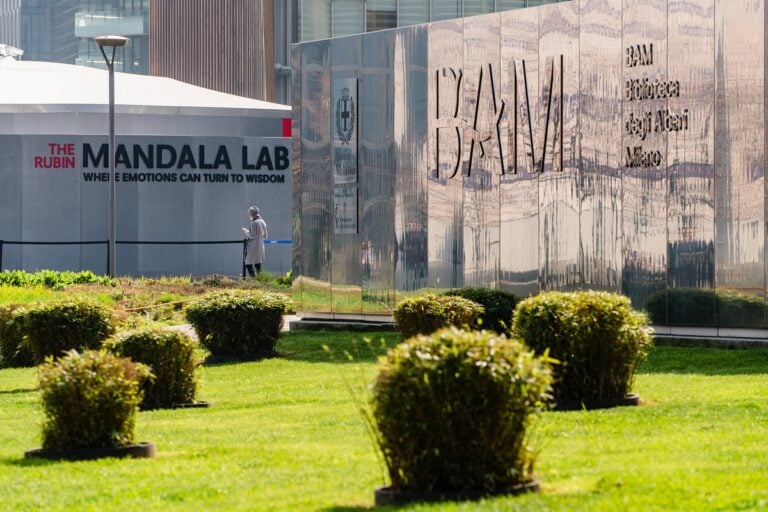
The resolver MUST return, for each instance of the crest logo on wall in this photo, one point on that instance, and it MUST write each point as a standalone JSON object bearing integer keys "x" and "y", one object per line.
{"x": 345, "y": 116}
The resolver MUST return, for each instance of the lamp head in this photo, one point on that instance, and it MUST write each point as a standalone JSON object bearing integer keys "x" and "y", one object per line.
{"x": 112, "y": 41}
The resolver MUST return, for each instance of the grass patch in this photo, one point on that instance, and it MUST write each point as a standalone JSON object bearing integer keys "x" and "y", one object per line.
{"x": 284, "y": 434}
{"x": 17, "y": 295}
{"x": 28, "y": 295}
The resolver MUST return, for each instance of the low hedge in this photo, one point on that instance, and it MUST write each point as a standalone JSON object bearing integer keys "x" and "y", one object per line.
{"x": 55, "y": 328}
{"x": 50, "y": 278}
{"x": 14, "y": 352}
{"x": 498, "y": 304}
{"x": 171, "y": 357}
{"x": 596, "y": 336}
{"x": 425, "y": 314}
{"x": 702, "y": 307}
{"x": 239, "y": 324}
{"x": 90, "y": 400}
{"x": 451, "y": 411}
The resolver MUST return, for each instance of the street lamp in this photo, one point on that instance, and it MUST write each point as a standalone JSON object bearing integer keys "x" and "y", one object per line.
{"x": 111, "y": 42}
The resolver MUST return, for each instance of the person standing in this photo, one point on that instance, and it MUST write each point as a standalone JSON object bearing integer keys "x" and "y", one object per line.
{"x": 255, "y": 233}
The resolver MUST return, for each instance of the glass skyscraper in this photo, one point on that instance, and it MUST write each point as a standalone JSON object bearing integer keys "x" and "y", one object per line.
{"x": 63, "y": 30}
{"x": 307, "y": 20}
{"x": 320, "y": 19}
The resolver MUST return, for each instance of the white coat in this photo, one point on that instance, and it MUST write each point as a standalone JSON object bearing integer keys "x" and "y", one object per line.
{"x": 256, "y": 234}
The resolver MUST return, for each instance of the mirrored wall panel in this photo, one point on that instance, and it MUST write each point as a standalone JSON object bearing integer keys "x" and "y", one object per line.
{"x": 613, "y": 145}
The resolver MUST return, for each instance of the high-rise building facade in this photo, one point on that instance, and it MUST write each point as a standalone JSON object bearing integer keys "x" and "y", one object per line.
{"x": 129, "y": 18}
{"x": 63, "y": 30}
{"x": 10, "y": 27}
{"x": 225, "y": 45}
{"x": 307, "y": 20}
{"x": 235, "y": 46}
{"x": 320, "y": 19}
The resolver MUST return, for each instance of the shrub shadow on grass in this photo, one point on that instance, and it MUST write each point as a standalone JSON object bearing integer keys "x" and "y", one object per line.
{"x": 212, "y": 360}
{"x": 705, "y": 361}
{"x": 335, "y": 347}
{"x": 23, "y": 462}
{"x": 18, "y": 391}
{"x": 351, "y": 509}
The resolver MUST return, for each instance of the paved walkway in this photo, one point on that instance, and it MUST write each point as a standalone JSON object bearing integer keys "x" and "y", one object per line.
{"x": 190, "y": 331}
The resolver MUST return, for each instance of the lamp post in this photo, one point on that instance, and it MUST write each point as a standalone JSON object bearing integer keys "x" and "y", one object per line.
{"x": 111, "y": 42}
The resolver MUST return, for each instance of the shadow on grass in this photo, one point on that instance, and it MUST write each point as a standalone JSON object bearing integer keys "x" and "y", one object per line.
{"x": 335, "y": 347}
{"x": 17, "y": 391}
{"x": 705, "y": 361}
{"x": 347, "y": 509}
{"x": 32, "y": 462}
{"x": 212, "y": 360}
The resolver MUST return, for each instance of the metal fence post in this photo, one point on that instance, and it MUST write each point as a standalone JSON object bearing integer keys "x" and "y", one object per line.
{"x": 1, "y": 255}
{"x": 108, "y": 259}
{"x": 245, "y": 251}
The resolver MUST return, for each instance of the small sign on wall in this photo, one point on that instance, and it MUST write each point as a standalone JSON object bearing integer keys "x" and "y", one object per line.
{"x": 344, "y": 128}
{"x": 345, "y": 210}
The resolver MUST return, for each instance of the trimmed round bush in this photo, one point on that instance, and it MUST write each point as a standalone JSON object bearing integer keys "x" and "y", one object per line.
{"x": 239, "y": 324}
{"x": 597, "y": 338}
{"x": 55, "y": 328}
{"x": 451, "y": 411}
{"x": 90, "y": 400}
{"x": 498, "y": 304}
{"x": 425, "y": 314}
{"x": 14, "y": 353}
{"x": 171, "y": 357}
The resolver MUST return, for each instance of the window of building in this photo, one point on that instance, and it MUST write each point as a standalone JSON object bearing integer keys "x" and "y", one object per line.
{"x": 347, "y": 17}
{"x": 473, "y": 7}
{"x": 412, "y": 12}
{"x": 380, "y": 14}
{"x": 506, "y": 5}
{"x": 532, "y": 3}
{"x": 446, "y": 9}
{"x": 315, "y": 19}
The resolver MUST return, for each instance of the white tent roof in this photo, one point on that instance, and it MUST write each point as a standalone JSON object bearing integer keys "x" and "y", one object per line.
{"x": 28, "y": 86}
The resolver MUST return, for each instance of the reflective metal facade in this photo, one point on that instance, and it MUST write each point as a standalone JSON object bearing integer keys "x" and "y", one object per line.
{"x": 603, "y": 144}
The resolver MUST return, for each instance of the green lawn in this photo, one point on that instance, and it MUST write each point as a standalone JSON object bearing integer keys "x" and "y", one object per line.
{"x": 284, "y": 434}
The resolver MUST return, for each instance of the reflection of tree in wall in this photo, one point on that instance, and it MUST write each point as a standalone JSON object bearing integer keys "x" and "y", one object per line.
{"x": 449, "y": 251}
{"x": 600, "y": 186}
{"x": 377, "y": 222}
{"x": 411, "y": 255}
{"x": 478, "y": 189}
{"x": 316, "y": 195}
